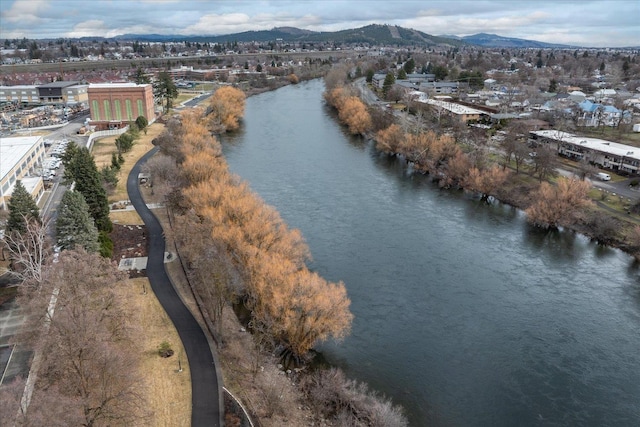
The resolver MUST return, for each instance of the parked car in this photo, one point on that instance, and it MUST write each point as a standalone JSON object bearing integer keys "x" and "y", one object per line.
{"x": 604, "y": 176}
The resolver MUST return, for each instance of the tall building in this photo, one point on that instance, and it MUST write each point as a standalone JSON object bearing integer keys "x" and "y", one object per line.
{"x": 114, "y": 105}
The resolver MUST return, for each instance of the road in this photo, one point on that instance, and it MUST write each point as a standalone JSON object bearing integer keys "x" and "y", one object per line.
{"x": 619, "y": 188}
{"x": 195, "y": 101}
{"x": 207, "y": 409}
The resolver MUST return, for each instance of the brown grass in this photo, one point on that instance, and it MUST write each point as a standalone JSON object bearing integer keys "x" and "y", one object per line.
{"x": 103, "y": 148}
{"x": 168, "y": 392}
{"x": 126, "y": 217}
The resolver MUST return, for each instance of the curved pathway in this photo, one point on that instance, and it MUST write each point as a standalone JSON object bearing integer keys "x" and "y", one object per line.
{"x": 206, "y": 397}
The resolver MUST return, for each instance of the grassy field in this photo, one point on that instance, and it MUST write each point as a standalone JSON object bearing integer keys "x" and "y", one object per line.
{"x": 103, "y": 148}
{"x": 167, "y": 391}
{"x": 182, "y": 97}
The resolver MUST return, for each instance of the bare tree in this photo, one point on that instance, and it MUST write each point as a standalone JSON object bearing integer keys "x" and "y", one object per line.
{"x": 85, "y": 354}
{"x": 545, "y": 161}
{"x": 29, "y": 251}
{"x": 558, "y": 205}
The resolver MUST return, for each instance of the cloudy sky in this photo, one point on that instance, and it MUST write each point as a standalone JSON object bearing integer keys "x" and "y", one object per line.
{"x": 597, "y": 23}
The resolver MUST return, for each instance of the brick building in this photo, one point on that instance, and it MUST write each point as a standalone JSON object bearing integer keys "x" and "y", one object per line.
{"x": 114, "y": 105}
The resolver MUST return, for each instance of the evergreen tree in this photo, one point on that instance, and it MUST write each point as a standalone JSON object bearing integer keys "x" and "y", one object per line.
{"x": 83, "y": 171}
{"x": 142, "y": 123}
{"x": 409, "y": 66}
{"x": 389, "y": 80}
{"x": 74, "y": 225}
{"x": 21, "y": 207}
{"x": 140, "y": 77}
{"x": 124, "y": 142}
{"x": 370, "y": 74}
{"x": 68, "y": 156}
{"x": 402, "y": 74}
{"x": 165, "y": 89}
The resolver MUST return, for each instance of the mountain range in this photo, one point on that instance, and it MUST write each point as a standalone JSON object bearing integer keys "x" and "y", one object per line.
{"x": 374, "y": 34}
{"x": 494, "y": 40}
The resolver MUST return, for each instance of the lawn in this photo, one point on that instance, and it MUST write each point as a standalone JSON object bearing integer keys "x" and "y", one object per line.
{"x": 167, "y": 391}
{"x": 103, "y": 148}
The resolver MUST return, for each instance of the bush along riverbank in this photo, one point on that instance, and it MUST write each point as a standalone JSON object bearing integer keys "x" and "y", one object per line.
{"x": 464, "y": 158}
{"x": 235, "y": 248}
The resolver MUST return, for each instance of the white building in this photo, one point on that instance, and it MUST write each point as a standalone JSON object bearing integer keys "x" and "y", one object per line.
{"x": 20, "y": 159}
{"x": 606, "y": 154}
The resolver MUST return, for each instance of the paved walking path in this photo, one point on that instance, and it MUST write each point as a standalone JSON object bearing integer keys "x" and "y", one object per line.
{"x": 206, "y": 391}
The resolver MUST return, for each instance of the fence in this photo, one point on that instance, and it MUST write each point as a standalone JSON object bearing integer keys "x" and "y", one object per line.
{"x": 103, "y": 133}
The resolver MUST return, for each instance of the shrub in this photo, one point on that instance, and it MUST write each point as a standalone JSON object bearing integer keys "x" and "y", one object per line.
{"x": 106, "y": 245}
{"x": 165, "y": 350}
{"x": 348, "y": 402}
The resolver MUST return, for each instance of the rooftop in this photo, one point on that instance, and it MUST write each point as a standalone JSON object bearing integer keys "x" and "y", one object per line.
{"x": 453, "y": 107}
{"x": 56, "y": 85}
{"x": 115, "y": 85}
{"x": 596, "y": 144}
{"x": 13, "y": 149}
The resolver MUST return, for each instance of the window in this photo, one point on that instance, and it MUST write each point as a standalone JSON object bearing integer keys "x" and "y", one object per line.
{"x": 96, "y": 109}
{"x": 127, "y": 104}
{"x": 141, "y": 111}
{"x": 107, "y": 109}
{"x": 117, "y": 108}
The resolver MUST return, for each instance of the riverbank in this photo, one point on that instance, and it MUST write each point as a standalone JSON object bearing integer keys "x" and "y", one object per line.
{"x": 464, "y": 313}
{"x": 451, "y": 165}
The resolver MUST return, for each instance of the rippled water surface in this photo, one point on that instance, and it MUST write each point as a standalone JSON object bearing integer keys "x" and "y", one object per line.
{"x": 464, "y": 314}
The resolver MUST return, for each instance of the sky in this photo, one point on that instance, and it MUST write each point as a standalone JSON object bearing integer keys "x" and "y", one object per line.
{"x": 593, "y": 23}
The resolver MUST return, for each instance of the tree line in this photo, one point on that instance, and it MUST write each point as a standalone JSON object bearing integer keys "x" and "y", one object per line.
{"x": 463, "y": 163}
{"x": 238, "y": 251}
{"x": 242, "y": 250}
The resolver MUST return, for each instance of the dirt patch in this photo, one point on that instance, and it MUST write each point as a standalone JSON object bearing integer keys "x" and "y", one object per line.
{"x": 129, "y": 241}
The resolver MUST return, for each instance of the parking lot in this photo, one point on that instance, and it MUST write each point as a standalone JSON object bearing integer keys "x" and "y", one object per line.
{"x": 53, "y": 161}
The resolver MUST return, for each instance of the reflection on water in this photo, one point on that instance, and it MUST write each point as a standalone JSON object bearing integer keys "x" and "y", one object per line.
{"x": 464, "y": 313}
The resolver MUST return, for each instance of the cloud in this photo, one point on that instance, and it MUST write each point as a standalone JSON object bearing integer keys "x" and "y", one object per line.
{"x": 587, "y": 22}
{"x": 239, "y": 22}
{"x": 503, "y": 23}
{"x": 88, "y": 28}
{"x": 26, "y": 12}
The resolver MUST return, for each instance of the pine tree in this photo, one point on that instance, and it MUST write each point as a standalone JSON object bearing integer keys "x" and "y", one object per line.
{"x": 389, "y": 80}
{"x": 21, "y": 206}
{"x": 75, "y": 226}
{"x": 83, "y": 171}
{"x": 165, "y": 89}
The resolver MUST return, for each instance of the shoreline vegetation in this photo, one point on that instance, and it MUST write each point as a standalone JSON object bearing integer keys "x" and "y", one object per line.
{"x": 461, "y": 159}
{"x": 326, "y": 395}
{"x": 237, "y": 251}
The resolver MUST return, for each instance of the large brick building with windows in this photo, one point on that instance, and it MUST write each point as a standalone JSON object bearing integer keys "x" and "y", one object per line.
{"x": 114, "y": 105}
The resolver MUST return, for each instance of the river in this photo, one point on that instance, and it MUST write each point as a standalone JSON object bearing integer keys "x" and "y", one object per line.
{"x": 464, "y": 314}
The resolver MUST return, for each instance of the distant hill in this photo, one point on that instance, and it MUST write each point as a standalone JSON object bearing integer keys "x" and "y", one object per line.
{"x": 371, "y": 34}
{"x": 382, "y": 35}
{"x": 493, "y": 40}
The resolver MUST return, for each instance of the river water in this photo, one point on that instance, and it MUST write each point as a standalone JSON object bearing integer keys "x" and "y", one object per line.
{"x": 464, "y": 314}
